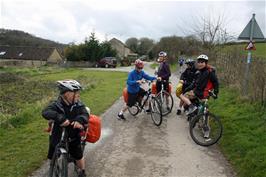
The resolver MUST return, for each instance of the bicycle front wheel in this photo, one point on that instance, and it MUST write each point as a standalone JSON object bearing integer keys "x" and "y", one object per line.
{"x": 156, "y": 112}
{"x": 58, "y": 165}
{"x": 133, "y": 110}
{"x": 206, "y": 129}
{"x": 166, "y": 101}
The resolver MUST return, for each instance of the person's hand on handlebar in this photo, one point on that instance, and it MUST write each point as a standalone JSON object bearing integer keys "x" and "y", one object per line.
{"x": 65, "y": 123}
{"x": 141, "y": 81}
{"x": 77, "y": 125}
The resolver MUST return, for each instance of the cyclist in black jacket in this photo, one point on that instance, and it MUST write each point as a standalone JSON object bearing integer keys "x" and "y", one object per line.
{"x": 67, "y": 111}
{"x": 198, "y": 88}
{"x": 187, "y": 78}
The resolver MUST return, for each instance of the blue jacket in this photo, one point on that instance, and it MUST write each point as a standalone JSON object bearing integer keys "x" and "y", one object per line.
{"x": 132, "y": 86}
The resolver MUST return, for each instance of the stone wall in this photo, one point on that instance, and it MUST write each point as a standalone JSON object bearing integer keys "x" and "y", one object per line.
{"x": 24, "y": 63}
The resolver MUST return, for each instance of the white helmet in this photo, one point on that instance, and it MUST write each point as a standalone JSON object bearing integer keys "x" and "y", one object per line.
{"x": 203, "y": 57}
{"x": 68, "y": 85}
{"x": 162, "y": 54}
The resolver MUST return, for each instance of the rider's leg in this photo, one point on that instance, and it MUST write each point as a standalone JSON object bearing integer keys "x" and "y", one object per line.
{"x": 186, "y": 99}
{"x": 81, "y": 163}
{"x": 131, "y": 101}
{"x": 158, "y": 86}
{"x": 76, "y": 152}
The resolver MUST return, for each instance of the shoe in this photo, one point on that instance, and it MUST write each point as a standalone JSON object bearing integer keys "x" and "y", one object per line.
{"x": 178, "y": 112}
{"x": 148, "y": 110}
{"x": 82, "y": 173}
{"x": 121, "y": 117}
{"x": 191, "y": 109}
{"x": 206, "y": 134}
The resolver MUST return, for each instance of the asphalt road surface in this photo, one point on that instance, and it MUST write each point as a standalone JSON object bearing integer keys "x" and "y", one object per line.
{"x": 136, "y": 147}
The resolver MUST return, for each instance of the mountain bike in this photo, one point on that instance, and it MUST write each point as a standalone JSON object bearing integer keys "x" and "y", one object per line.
{"x": 205, "y": 128}
{"x": 61, "y": 158}
{"x": 166, "y": 99}
{"x": 153, "y": 105}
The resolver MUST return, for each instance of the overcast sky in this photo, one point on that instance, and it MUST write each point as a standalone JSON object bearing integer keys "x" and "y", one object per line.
{"x": 72, "y": 20}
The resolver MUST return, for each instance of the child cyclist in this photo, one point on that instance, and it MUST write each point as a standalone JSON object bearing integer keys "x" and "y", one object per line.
{"x": 67, "y": 111}
{"x": 135, "y": 92}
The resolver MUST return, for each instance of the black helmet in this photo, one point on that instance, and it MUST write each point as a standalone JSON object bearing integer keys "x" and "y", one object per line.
{"x": 68, "y": 85}
{"x": 190, "y": 62}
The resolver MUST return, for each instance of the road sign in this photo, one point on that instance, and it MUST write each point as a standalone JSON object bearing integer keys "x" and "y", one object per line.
{"x": 250, "y": 46}
{"x": 252, "y": 31}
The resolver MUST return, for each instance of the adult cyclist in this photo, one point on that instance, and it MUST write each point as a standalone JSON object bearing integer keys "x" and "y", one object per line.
{"x": 163, "y": 73}
{"x": 67, "y": 111}
{"x": 135, "y": 92}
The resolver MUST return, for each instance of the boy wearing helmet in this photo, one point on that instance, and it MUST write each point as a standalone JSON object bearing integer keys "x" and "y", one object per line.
{"x": 67, "y": 111}
{"x": 197, "y": 88}
{"x": 135, "y": 78}
{"x": 187, "y": 78}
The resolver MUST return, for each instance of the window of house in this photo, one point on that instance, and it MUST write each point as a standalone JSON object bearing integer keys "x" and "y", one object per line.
{"x": 2, "y": 52}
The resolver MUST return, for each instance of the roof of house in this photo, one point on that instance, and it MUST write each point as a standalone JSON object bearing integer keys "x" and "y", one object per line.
{"x": 117, "y": 41}
{"x": 25, "y": 52}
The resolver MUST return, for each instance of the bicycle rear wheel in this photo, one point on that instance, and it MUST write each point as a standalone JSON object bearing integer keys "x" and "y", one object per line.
{"x": 133, "y": 110}
{"x": 206, "y": 129}
{"x": 166, "y": 101}
{"x": 58, "y": 165}
{"x": 156, "y": 111}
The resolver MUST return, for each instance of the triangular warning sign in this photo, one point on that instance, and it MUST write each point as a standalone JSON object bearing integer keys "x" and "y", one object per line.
{"x": 252, "y": 30}
{"x": 250, "y": 46}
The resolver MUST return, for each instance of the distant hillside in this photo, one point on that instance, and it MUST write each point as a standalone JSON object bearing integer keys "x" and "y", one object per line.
{"x": 21, "y": 38}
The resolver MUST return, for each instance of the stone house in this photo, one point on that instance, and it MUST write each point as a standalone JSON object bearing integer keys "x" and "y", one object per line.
{"x": 123, "y": 51}
{"x": 29, "y": 56}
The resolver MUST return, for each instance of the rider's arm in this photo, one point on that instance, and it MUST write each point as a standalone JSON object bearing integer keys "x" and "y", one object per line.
{"x": 215, "y": 82}
{"x": 82, "y": 116}
{"x": 130, "y": 79}
{"x": 147, "y": 77}
{"x": 51, "y": 113}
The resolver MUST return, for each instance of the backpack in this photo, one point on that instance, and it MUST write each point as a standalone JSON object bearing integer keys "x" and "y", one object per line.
{"x": 209, "y": 85}
{"x": 93, "y": 132}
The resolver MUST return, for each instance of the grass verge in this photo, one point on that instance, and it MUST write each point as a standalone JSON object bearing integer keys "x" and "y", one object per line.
{"x": 244, "y": 137}
{"x": 24, "y": 144}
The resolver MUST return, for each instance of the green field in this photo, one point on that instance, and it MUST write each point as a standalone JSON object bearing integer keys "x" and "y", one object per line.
{"x": 244, "y": 137}
{"x": 259, "y": 52}
{"x": 25, "y": 92}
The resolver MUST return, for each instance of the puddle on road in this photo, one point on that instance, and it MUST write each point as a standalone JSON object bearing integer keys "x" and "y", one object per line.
{"x": 105, "y": 133}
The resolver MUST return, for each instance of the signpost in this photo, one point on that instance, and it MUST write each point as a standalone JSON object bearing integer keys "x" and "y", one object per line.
{"x": 251, "y": 32}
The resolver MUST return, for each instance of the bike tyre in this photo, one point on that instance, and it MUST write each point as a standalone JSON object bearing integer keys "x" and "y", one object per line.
{"x": 193, "y": 123}
{"x": 132, "y": 110}
{"x": 158, "y": 96}
{"x": 155, "y": 104}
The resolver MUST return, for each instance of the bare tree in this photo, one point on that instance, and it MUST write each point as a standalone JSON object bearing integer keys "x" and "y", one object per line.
{"x": 210, "y": 30}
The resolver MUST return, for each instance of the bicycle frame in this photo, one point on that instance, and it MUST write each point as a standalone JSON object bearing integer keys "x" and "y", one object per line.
{"x": 148, "y": 96}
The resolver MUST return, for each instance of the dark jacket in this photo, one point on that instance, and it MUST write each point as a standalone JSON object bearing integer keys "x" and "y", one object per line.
{"x": 59, "y": 111}
{"x": 202, "y": 77}
{"x": 188, "y": 76}
{"x": 164, "y": 71}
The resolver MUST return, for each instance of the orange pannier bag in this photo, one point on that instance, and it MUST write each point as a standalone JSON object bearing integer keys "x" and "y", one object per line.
{"x": 153, "y": 88}
{"x": 93, "y": 132}
{"x": 170, "y": 88}
{"x": 125, "y": 95}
